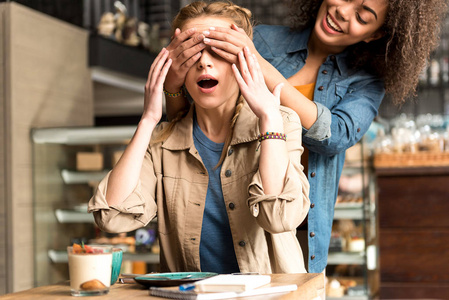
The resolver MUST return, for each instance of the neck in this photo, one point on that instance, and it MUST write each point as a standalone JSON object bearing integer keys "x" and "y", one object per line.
{"x": 318, "y": 49}
{"x": 215, "y": 124}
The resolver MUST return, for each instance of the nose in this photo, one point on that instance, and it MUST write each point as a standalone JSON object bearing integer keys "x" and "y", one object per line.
{"x": 205, "y": 60}
{"x": 343, "y": 11}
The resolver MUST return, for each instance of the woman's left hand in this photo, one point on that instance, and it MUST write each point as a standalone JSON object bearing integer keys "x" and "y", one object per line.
{"x": 228, "y": 42}
{"x": 253, "y": 88}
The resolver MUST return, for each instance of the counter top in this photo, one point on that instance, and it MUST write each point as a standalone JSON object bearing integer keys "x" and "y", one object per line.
{"x": 308, "y": 287}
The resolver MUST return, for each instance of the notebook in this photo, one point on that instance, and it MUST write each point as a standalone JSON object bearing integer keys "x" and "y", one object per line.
{"x": 231, "y": 283}
{"x": 174, "y": 293}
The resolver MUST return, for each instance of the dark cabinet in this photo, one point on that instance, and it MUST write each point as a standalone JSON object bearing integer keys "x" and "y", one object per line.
{"x": 413, "y": 208}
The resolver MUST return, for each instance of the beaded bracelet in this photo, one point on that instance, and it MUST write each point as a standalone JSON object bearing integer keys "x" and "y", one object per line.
{"x": 172, "y": 95}
{"x": 272, "y": 135}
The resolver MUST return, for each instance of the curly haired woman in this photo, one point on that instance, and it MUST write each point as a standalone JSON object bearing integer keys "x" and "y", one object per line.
{"x": 337, "y": 62}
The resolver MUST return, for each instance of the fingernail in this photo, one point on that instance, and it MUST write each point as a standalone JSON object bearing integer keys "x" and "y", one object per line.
{"x": 206, "y": 40}
{"x": 211, "y": 28}
{"x": 213, "y": 48}
{"x": 202, "y": 45}
{"x": 246, "y": 48}
{"x": 206, "y": 32}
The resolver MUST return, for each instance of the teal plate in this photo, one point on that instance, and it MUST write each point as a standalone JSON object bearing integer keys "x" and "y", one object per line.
{"x": 171, "y": 279}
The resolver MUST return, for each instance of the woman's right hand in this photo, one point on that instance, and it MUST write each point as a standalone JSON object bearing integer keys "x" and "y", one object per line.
{"x": 152, "y": 109}
{"x": 185, "y": 50}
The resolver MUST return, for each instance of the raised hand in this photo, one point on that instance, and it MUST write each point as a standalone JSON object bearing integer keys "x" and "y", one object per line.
{"x": 185, "y": 49}
{"x": 253, "y": 88}
{"x": 228, "y": 42}
{"x": 152, "y": 108}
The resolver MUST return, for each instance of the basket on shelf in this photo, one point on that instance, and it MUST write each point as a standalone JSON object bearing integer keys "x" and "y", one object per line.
{"x": 417, "y": 159}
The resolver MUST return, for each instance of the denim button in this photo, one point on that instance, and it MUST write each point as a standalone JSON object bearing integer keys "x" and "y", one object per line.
{"x": 312, "y": 234}
{"x": 312, "y": 257}
{"x": 324, "y": 72}
{"x": 312, "y": 174}
{"x": 321, "y": 88}
{"x": 228, "y": 173}
{"x": 231, "y": 205}
{"x": 312, "y": 205}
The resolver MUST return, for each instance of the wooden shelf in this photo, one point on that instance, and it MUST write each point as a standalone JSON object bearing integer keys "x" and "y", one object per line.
{"x": 346, "y": 258}
{"x": 116, "y": 57}
{"x": 83, "y": 135}
{"x": 353, "y": 211}
{"x": 73, "y": 216}
{"x": 75, "y": 177}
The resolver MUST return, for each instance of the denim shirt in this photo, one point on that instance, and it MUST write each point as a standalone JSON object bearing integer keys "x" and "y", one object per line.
{"x": 347, "y": 101}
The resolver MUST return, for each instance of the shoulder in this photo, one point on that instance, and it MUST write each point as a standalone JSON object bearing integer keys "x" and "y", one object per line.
{"x": 272, "y": 33}
{"x": 160, "y": 127}
{"x": 273, "y": 37}
{"x": 272, "y": 29}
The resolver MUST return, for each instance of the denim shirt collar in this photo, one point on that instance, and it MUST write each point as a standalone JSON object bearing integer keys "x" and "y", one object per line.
{"x": 300, "y": 41}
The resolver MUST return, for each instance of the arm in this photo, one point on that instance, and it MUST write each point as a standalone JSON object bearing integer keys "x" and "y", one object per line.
{"x": 330, "y": 129}
{"x": 125, "y": 175}
{"x": 350, "y": 113}
{"x": 265, "y": 105}
{"x": 118, "y": 203}
{"x": 279, "y": 191}
{"x": 229, "y": 42}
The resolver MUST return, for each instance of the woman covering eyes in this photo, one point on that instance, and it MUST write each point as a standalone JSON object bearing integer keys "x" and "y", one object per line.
{"x": 228, "y": 196}
{"x": 337, "y": 61}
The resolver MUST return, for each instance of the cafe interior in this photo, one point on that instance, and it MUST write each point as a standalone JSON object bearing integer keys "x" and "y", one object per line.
{"x": 72, "y": 86}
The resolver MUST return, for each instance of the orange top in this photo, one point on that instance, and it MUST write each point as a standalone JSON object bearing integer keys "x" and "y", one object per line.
{"x": 307, "y": 90}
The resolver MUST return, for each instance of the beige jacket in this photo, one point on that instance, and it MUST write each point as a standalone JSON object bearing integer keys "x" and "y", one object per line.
{"x": 173, "y": 185}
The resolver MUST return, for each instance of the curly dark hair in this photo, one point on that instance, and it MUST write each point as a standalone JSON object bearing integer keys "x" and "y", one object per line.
{"x": 412, "y": 30}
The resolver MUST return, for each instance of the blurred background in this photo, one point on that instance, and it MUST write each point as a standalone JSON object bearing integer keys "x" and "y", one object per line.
{"x": 72, "y": 83}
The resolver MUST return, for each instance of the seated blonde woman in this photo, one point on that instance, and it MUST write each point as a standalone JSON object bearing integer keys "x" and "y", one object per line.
{"x": 228, "y": 196}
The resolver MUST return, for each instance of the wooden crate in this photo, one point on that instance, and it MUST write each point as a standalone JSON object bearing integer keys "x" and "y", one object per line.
{"x": 418, "y": 159}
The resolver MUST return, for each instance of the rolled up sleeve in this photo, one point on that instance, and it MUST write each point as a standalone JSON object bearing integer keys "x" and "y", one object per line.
{"x": 321, "y": 129}
{"x": 134, "y": 212}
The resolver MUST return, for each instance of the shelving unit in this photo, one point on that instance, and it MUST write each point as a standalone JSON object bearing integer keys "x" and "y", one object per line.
{"x": 62, "y": 192}
{"x": 60, "y": 257}
{"x": 355, "y": 210}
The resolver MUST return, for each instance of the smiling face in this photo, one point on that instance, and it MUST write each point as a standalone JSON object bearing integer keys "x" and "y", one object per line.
{"x": 211, "y": 81}
{"x": 341, "y": 23}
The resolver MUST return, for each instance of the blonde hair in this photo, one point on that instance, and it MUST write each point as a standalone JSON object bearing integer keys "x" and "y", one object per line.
{"x": 241, "y": 17}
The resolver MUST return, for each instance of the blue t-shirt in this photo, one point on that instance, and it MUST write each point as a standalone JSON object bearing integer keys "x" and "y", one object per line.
{"x": 216, "y": 247}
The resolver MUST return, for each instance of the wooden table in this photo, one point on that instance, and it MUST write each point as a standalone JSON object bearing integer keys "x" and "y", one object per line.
{"x": 308, "y": 287}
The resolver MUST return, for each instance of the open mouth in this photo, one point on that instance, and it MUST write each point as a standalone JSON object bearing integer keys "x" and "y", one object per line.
{"x": 332, "y": 25}
{"x": 207, "y": 83}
